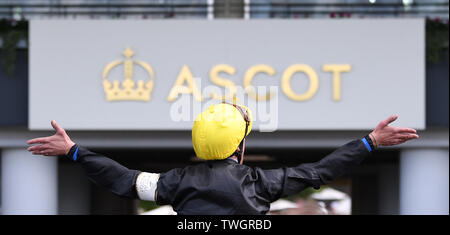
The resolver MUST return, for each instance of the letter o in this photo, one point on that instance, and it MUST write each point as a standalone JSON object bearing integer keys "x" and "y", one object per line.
{"x": 286, "y": 82}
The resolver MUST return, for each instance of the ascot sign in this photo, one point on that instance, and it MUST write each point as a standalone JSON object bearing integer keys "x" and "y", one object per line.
{"x": 185, "y": 84}
{"x": 299, "y": 74}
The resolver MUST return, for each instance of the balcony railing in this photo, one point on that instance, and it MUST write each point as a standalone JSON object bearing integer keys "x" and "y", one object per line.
{"x": 349, "y": 8}
{"x": 149, "y": 9}
{"x": 105, "y": 9}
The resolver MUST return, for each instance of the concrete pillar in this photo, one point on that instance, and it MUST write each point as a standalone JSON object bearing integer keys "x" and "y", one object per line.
{"x": 29, "y": 183}
{"x": 424, "y": 181}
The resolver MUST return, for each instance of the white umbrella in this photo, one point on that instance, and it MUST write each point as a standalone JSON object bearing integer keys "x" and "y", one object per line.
{"x": 342, "y": 207}
{"x": 329, "y": 194}
{"x": 162, "y": 210}
{"x": 282, "y": 204}
{"x": 278, "y": 205}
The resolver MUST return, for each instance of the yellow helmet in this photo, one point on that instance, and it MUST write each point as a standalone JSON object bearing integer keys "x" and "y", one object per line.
{"x": 218, "y": 131}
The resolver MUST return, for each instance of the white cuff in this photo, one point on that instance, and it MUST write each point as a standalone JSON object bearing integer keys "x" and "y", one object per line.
{"x": 146, "y": 184}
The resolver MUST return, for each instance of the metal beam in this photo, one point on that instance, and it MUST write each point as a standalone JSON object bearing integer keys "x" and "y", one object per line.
{"x": 17, "y": 137}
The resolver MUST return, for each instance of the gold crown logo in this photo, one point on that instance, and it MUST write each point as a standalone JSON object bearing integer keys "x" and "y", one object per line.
{"x": 129, "y": 89}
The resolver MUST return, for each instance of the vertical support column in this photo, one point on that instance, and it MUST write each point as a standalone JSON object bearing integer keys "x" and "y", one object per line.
{"x": 247, "y": 9}
{"x": 210, "y": 9}
{"x": 29, "y": 183}
{"x": 424, "y": 181}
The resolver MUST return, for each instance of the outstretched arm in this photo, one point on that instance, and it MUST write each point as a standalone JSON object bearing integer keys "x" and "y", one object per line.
{"x": 291, "y": 180}
{"x": 340, "y": 161}
{"x": 99, "y": 169}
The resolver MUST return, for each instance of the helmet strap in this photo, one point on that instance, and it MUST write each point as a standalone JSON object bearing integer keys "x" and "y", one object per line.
{"x": 240, "y": 154}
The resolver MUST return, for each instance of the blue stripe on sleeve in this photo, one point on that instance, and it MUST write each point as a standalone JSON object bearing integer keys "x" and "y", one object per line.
{"x": 365, "y": 142}
{"x": 75, "y": 154}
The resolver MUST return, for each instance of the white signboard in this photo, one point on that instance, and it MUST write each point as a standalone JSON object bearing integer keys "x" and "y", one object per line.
{"x": 293, "y": 74}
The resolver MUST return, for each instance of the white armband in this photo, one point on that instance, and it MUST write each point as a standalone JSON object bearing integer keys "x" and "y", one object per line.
{"x": 146, "y": 184}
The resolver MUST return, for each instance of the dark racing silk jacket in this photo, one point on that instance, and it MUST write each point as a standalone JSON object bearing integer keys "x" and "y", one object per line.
{"x": 222, "y": 187}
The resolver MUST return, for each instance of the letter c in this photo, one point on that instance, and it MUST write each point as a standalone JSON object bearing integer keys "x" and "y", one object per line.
{"x": 250, "y": 74}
